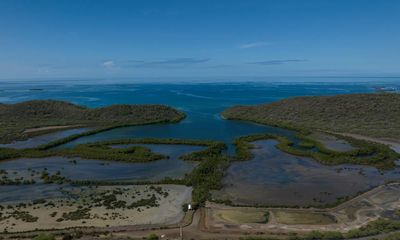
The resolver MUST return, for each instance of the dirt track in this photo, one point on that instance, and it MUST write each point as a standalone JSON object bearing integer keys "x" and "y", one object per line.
{"x": 203, "y": 226}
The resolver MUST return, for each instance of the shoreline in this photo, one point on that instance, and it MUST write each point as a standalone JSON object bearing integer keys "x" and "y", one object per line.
{"x": 394, "y": 144}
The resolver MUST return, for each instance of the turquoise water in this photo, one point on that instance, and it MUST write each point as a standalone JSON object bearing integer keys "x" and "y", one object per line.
{"x": 202, "y": 102}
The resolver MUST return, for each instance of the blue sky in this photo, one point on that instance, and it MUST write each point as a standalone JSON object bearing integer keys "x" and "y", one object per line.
{"x": 112, "y": 39}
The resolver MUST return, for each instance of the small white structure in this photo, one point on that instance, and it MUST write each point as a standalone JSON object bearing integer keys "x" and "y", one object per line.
{"x": 189, "y": 206}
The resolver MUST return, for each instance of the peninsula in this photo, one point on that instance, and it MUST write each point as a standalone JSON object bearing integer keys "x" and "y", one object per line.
{"x": 374, "y": 115}
{"x": 26, "y": 119}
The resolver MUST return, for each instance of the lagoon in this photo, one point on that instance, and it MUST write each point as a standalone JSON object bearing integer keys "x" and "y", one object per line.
{"x": 279, "y": 174}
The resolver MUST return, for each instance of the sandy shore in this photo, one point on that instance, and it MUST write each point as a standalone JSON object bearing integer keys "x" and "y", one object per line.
{"x": 32, "y": 130}
{"x": 52, "y": 213}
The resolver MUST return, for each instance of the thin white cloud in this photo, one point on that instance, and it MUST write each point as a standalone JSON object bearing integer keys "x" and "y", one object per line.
{"x": 108, "y": 64}
{"x": 172, "y": 62}
{"x": 277, "y": 62}
{"x": 253, "y": 45}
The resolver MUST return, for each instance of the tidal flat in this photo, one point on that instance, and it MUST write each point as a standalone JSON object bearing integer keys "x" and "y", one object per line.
{"x": 331, "y": 142}
{"x": 43, "y": 139}
{"x": 85, "y": 169}
{"x": 98, "y": 207}
{"x": 275, "y": 178}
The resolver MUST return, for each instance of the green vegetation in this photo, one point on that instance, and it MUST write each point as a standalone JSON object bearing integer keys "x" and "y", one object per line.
{"x": 5, "y": 179}
{"x": 23, "y": 216}
{"x": 213, "y": 149}
{"x": 205, "y": 177}
{"x": 367, "y": 153}
{"x": 152, "y": 237}
{"x": 43, "y": 236}
{"x": 240, "y": 216}
{"x": 303, "y": 217}
{"x": 306, "y": 144}
{"x": 315, "y": 235}
{"x": 53, "y": 178}
{"x": 104, "y": 151}
{"x": 15, "y": 119}
{"x": 376, "y": 115}
{"x": 375, "y": 227}
{"x": 81, "y": 202}
{"x": 101, "y": 151}
{"x": 81, "y": 213}
{"x": 87, "y": 151}
{"x": 166, "y": 180}
{"x": 394, "y": 236}
{"x": 371, "y": 229}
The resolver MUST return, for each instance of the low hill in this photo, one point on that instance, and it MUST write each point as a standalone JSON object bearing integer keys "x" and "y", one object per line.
{"x": 375, "y": 115}
{"x": 15, "y": 119}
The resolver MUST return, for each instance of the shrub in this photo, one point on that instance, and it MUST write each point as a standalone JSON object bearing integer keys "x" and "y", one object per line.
{"x": 43, "y": 236}
{"x": 152, "y": 237}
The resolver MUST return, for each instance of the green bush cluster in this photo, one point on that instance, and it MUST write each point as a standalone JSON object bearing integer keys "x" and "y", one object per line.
{"x": 373, "y": 228}
{"x": 44, "y": 236}
{"x": 166, "y": 180}
{"x": 213, "y": 150}
{"x": 205, "y": 177}
{"x": 53, "y": 178}
{"x": 105, "y": 152}
{"x": 81, "y": 213}
{"x": 24, "y": 216}
{"x": 6, "y": 180}
{"x": 394, "y": 236}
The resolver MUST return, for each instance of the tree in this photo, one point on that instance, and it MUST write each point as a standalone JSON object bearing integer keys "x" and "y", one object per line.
{"x": 152, "y": 237}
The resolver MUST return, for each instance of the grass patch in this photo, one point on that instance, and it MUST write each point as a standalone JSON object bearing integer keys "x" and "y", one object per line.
{"x": 306, "y": 217}
{"x": 243, "y": 216}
